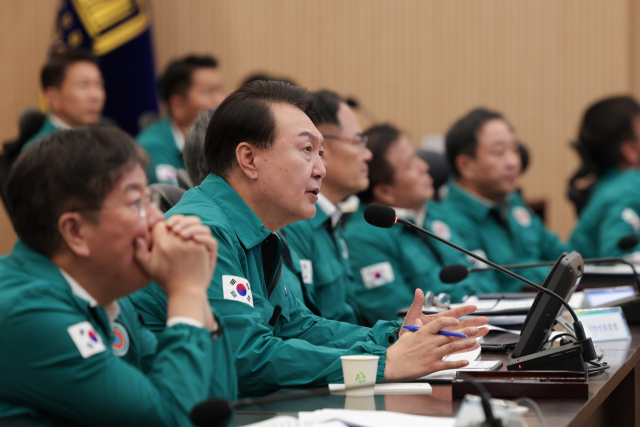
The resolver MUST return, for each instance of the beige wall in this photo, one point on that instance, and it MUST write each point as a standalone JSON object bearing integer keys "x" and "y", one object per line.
{"x": 419, "y": 64}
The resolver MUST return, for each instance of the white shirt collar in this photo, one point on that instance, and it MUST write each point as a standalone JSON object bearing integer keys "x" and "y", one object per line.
{"x": 112, "y": 309}
{"x": 58, "y": 123}
{"x": 178, "y": 137}
{"x": 331, "y": 210}
{"x": 418, "y": 217}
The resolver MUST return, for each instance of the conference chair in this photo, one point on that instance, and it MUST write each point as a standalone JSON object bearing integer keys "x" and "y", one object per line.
{"x": 438, "y": 168}
{"x": 29, "y": 123}
{"x": 169, "y": 195}
{"x": 184, "y": 181}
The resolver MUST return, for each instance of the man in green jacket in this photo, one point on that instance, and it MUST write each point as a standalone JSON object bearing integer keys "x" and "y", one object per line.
{"x": 483, "y": 205}
{"x": 610, "y": 140}
{"x": 73, "y": 86}
{"x": 89, "y": 234}
{"x": 264, "y": 156}
{"x": 389, "y": 264}
{"x": 188, "y": 86}
{"x": 319, "y": 241}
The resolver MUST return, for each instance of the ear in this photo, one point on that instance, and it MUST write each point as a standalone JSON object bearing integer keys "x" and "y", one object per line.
{"x": 246, "y": 156}
{"x": 74, "y": 228}
{"x": 630, "y": 151}
{"x": 176, "y": 106}
{"x": 465, "y": 165}
{"x": 384, "y": 194}
{"x": 53, "y": 95}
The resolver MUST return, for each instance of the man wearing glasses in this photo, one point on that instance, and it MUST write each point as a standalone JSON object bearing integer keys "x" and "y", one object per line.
{"x": 90, "y": 234}
{"x": 318, "y": 241}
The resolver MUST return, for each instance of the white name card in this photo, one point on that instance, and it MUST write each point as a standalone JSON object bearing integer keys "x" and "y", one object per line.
{"x": 604, "y": 324}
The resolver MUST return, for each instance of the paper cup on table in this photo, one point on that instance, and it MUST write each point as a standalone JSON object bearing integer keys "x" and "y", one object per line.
{"x": 359, "y": 374}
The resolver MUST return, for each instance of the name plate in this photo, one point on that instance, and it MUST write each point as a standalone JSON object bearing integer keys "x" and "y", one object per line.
{"x": 604, "y": 324}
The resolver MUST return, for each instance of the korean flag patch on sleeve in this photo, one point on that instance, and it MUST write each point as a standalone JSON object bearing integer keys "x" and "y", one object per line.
{"x": 377, "y": 275}
{"x": 237, "y": 289}
{"x": 88, "y": 341}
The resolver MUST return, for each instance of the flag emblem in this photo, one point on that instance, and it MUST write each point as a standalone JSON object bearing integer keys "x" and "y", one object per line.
{"x": 522, "y": 216}
{"x": 377, "y": 275}
{"x": 120, "y": 345}
{"x": 237, "y": 289}
{"x": 441, "y": 229}
{"x": 86, "y": 339}
{"x": 306, "y": 268}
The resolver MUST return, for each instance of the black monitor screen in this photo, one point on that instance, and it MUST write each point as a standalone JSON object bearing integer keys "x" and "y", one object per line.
{"x": 563, "y": 279}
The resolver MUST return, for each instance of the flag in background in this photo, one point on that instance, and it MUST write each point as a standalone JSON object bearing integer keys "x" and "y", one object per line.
{"x": 118, "y": 32}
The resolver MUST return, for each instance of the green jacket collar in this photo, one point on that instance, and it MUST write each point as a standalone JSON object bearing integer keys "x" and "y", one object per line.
{"x": 320, "y": 218}
{"x": 48, "y": 271}
{"x": 28, "y": 257}
{"x": 244, "y": 221}
{"x": 472, "y": 205}
{"x": 465, "y": 202}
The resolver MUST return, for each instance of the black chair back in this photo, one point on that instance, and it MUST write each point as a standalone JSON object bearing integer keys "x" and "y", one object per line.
{"x": 29, "y": 123}
{"x": 169, "y": 195}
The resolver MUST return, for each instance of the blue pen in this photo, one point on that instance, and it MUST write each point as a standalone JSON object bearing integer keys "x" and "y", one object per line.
{"x": 445, "y": 333}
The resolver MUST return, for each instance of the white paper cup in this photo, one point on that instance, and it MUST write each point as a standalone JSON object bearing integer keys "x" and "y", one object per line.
{"x": 359, "y": 374}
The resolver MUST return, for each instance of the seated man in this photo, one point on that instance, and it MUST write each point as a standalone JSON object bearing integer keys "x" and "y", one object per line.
{"x": 264, "y": 156}
{"x": 188, "y": 86}
{"x": 319, "y": 241}
{"x": 73, "y": 86}
{"x": 610, "y": 135}
{"x": 198, "y": 170}
{"x": 89, "y": 234}
{"x": 483, "y": 205}
{"x": 389, "y": 264}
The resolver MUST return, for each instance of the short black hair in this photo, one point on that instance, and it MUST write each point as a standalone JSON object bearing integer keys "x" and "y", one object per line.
{"x": 462, "y": 137}
{"x": 381, "y": 137}
{"x": 605, "y": 126}
{"x": 68, "y": 170}
{"x": 54, "y": 71}
{"x": 267, "y": 77}
{"x": 326, "y": 104}
{"x": 177, "y": 76}
{"x": 246, "y": 116}
{"x": 193, "y": 152}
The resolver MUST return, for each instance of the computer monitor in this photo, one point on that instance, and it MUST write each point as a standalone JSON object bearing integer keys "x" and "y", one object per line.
{"x": 563, "y": 279}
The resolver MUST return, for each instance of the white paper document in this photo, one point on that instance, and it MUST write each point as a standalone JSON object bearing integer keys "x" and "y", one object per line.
{"x": 371, "y": 419}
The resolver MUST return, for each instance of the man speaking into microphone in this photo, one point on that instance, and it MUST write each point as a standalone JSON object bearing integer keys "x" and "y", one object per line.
{"x": 389, "y": 264}
{"x": 264, "y": 152}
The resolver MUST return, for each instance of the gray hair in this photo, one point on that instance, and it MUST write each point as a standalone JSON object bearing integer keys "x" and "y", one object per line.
{"x": 193, "y": 153}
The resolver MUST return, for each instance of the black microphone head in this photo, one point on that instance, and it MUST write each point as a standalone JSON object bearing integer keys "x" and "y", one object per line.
{"x": 628, "y": 242}
{"x": 210, "y": 413}
{"x": 453, "y": 273}
{"x": 380, "y": 216}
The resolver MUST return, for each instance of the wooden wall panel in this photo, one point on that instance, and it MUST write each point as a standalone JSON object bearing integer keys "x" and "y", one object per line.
{"x": 419, "y": 64}
{"x": 25, "y": 34}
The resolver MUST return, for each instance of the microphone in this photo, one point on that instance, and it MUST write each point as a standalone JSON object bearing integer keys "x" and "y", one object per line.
{"x": 457, "y": 272}
{"x": 628, "y": 242}
{"x": 385, "y": 217}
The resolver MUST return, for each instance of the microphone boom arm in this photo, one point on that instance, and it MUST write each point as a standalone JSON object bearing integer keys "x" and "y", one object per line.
{"x": 492, "y": 264}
